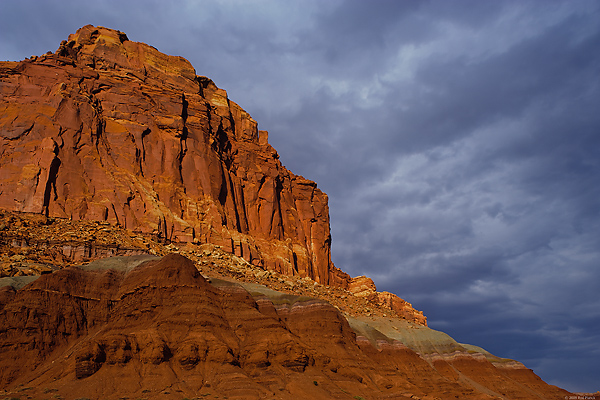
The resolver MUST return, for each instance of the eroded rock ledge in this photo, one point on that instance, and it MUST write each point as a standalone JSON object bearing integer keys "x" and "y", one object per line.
{"x": 33, "y": 244}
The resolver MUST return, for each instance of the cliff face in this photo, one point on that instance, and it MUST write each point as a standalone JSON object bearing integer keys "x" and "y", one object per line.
{"x": 111, "y": 130}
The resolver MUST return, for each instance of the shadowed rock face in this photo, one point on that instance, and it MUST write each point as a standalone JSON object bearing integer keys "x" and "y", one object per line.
{"x": 155, "y": 328}
{"x": 113, "y": 130}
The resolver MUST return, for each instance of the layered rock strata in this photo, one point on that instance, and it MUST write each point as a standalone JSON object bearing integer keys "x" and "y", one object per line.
{"x": 110, "y": 130}
{"x": 155, "y": 328}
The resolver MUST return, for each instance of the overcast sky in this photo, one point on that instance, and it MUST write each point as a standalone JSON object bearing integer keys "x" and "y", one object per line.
{"x": 458, "y": 141}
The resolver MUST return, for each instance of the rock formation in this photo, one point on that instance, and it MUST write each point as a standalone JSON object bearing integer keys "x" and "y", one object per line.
{"x": 156, "y": 328}
{"x": 111, "y": 130}
{"x": 111, "y": 148}
{"x": 107, "y": 129}
{"x": 33, "y": 244}
{"x": 363, "y": 286}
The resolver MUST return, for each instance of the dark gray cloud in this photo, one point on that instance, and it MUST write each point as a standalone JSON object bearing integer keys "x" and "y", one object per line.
{"x": 458, "y": 143}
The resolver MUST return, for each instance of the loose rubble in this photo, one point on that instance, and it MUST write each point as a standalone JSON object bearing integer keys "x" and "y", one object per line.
{"x": 32, "y": 244}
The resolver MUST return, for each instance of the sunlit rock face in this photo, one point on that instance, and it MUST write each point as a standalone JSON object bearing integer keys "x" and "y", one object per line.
{"x": 106, "y": 129}
{"x": 113, "y": 130}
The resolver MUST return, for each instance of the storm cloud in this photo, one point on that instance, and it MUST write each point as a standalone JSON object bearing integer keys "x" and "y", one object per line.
{"x": 459, "y": 144}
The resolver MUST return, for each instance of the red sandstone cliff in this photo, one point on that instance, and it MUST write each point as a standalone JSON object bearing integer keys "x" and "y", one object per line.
{"x": 109, "y": 129}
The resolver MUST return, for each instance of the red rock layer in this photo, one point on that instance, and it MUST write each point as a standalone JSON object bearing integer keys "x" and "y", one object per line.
{"x": 161, "y": 331}
{"x": 113, "y": 130}
{"x": 363, "y": 286}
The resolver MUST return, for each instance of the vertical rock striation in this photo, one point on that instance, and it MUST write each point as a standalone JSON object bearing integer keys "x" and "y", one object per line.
{"x": 113, "y": 130}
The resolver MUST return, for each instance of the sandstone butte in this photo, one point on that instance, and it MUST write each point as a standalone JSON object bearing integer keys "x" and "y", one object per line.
{"x": 112, "y": 132}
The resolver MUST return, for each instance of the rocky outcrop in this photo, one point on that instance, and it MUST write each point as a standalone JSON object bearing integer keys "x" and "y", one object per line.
{"x": 155, "y": 328}
{"x": 112, "y": 130}
{"x": 363, "y": 286}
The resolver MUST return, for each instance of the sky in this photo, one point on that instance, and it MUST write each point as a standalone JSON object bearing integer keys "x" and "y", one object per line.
{"x": 458, "y": 142}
